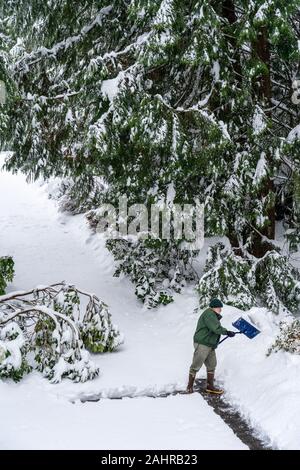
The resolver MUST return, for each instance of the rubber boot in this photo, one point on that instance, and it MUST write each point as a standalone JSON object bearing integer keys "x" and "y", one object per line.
{"x": 190, "y": 384}
{"x": 210, "y": 388}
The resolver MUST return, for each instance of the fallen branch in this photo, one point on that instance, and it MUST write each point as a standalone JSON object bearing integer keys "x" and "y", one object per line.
{"x": 48, "y": 321}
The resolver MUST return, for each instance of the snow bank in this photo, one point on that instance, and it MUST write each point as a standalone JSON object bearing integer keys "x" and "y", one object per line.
{"x": 265, "y": 389}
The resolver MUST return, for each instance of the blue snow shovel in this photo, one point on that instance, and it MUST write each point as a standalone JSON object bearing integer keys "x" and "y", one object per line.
{"x": 245, "y": 328}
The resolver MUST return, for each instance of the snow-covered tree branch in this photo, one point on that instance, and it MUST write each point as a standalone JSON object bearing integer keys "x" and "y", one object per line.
{"x": 133, "y": 96}
{"x": 48, "y": 328}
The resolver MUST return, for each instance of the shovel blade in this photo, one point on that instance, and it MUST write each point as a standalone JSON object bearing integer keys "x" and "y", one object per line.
{"x": 246, "y": 328}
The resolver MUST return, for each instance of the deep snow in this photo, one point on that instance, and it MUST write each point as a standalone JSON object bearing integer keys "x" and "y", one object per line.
{"x": 48, "y": 246}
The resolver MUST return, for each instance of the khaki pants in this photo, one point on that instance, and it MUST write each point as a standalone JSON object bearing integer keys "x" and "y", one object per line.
{"x": 203, "y": 355}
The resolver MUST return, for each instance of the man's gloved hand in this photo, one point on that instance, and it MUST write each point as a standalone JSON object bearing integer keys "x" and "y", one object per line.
{"x": 230, "y": 333}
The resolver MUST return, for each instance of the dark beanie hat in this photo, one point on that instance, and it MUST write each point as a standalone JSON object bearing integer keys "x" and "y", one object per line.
{"x": 214, "y": 303}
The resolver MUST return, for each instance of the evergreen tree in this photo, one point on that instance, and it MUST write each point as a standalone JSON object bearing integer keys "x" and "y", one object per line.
{"x": 144, "y": 94}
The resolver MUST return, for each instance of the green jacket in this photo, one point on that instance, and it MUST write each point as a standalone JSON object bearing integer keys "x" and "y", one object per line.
{"x": 209, "y": 329}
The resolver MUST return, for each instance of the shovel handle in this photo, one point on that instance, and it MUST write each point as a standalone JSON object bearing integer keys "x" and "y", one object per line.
{"x": 226, "y": 337}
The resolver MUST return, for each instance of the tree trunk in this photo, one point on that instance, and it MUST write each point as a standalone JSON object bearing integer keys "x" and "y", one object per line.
{"x": 228, "y": 12}
{"x": 262, "y": 94}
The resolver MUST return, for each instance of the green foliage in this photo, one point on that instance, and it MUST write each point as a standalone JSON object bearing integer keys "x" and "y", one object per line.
{"x": 45, "y": 344}
{"x": 13, "y": 351}
{"x": 288, "y": 339}
{"x": 59, "y": 356}
{"x": 77, "y": 195}
{"x": 293, "y": 233}
{"x": 98, "y": 333}
{"x": 50, "y": 333}
{"x": 6, "y": 272}
{"x": 242, "y": 281}
{"x": 278, "y": 283}
{"x": 155, "y": 272}
{"x": 226, "y": 277}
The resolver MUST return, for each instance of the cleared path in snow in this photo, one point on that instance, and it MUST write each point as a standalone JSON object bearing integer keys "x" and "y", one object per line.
{"x": 221, "y": 407}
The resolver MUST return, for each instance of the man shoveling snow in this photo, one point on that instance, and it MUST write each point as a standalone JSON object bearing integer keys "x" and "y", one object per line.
{"x": 206, "y": 339}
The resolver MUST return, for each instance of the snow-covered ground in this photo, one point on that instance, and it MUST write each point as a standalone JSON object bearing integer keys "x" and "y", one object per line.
{"x": 48, "y": 246}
